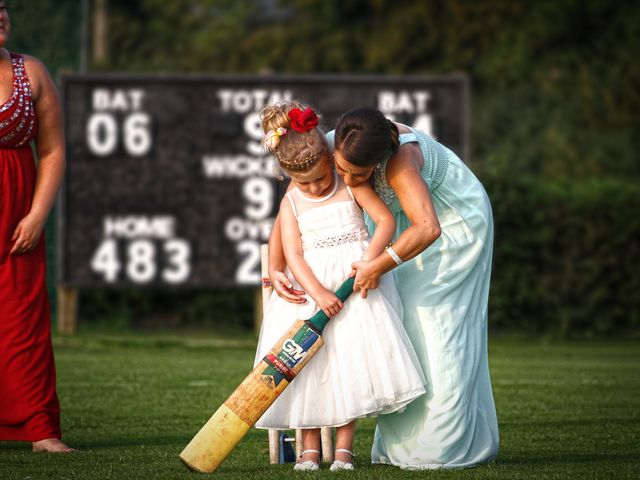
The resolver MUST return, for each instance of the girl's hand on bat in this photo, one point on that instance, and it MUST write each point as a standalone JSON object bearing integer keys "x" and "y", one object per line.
{"x": 284, "y": 288}
{"x": 329, "y": 303}
{"x": 367, "y": 277}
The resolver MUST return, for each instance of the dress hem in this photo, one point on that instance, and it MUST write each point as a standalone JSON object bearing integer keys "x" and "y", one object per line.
{"x": 399, "y": 405}
{"x": 431, "y": 466}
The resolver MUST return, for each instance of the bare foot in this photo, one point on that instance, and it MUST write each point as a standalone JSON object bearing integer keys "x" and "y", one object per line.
{"x": 52, "y": 445}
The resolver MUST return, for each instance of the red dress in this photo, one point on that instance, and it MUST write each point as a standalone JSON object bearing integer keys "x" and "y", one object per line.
{"x": 29, "y": 409}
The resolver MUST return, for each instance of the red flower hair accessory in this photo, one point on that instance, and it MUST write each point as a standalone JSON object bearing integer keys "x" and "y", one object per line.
{"x": 303, "y": 121}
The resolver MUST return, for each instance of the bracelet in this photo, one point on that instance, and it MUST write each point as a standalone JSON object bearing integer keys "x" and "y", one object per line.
{"x": 392, "y": 253}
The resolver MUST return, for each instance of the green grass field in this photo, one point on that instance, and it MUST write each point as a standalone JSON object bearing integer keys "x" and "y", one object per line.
{"x": 131, "y": 402}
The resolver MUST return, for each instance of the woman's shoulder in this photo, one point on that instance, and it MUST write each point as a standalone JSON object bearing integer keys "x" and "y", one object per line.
{"x": 408, "y": 157}
{"x": 331, "y": 137}
{"x": 37, "y": 73}
{"x": 30, "y": 60}
{"x": 402, "y": 128}
{"x": 33, "y": 65}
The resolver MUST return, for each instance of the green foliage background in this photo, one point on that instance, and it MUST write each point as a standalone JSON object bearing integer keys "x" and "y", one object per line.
{"x": 554, "y": 124}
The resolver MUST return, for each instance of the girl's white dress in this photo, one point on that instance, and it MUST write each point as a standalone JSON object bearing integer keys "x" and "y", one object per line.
{"x": 367, "y": 365}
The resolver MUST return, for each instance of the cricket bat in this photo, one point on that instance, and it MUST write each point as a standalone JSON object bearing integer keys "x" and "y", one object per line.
{"x": 224, "y": 430}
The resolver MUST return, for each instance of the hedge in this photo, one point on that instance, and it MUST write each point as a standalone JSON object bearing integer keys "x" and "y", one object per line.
{"x": 566, "y": 256}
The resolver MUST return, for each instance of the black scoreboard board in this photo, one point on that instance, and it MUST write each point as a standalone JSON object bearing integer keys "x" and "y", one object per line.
{"x": 167, "y": 183}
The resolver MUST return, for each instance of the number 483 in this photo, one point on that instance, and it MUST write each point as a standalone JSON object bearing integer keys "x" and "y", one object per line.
{"x": 141, "y": 261}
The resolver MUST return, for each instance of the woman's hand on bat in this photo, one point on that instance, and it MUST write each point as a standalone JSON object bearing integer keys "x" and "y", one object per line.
{"x": 367, "y": 277}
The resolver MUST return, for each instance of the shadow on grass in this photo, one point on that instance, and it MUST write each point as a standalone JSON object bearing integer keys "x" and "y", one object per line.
{"x": 566, "y": 459}
{"x": 561, "y": 425}
{"x": 148, "y": 442}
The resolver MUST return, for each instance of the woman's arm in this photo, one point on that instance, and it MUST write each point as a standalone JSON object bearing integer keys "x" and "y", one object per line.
{"x": 51, "y": 156}
{"x": 404, "y": 177}
{"x": 381, "y": 216}
{"x": 294, "y": 255}
{"x": 413, "y": 194}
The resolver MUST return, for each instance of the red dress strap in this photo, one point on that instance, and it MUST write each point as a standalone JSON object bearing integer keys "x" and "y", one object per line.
{"x": 18, "y": 119}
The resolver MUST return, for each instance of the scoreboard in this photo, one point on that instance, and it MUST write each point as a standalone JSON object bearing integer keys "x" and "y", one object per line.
{"x": 167, "y": 183}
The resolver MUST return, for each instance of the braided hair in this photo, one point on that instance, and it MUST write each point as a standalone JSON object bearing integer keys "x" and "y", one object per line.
{"x": 295, "y": 151}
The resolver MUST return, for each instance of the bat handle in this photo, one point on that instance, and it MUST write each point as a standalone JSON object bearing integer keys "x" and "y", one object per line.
{"x": 320, "y": 319}
{"x": 345, "y": 289}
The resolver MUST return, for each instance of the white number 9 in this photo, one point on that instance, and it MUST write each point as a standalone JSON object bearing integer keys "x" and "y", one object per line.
{"x": 259, "y": 192}
{"x": 253, "y": 128}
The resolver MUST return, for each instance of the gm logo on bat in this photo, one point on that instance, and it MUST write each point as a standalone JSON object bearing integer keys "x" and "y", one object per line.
{"x": 294, "y": 350}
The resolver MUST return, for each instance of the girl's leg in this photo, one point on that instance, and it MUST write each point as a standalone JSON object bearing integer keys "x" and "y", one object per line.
{"x": 311, "y": 441}
{"x": 344, "y": 441}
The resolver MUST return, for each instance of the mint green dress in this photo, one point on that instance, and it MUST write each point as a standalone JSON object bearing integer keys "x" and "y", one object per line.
{"x": 444, "y": 293}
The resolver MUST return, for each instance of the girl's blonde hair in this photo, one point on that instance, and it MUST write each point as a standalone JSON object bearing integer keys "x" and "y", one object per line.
{"x": 296, "y": 151}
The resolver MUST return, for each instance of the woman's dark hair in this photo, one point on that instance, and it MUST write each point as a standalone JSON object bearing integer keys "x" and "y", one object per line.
{"x": 365, "y": 137}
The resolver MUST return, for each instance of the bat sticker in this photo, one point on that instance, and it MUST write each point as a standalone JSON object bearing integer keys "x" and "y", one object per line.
{"x": 293, "y": 350}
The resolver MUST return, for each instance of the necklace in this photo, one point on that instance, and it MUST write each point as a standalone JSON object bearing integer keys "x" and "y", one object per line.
{"x": 326, "y": 197}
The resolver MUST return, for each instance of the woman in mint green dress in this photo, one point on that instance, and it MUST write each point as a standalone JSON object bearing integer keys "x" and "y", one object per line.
{"x": 441, "y": 261}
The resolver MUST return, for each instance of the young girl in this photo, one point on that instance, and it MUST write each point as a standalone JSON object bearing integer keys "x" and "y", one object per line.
{"x": 367, "y": 366}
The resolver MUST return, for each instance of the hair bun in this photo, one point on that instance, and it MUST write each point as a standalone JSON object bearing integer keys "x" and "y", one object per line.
{"x": 292, "y": 135}
{"x": 274, "y": 117}
{"x": 365, "y": 137}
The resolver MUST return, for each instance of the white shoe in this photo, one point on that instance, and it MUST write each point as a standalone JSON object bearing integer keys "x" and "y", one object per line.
{"x": 340, "y": 465}
{"x": 307, "y": 465}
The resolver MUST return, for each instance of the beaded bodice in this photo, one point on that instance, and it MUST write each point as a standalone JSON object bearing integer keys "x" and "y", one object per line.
{"x": 18, "y": 119}
{"x": 433, "y": 170}
{"x": 337, "y": 220}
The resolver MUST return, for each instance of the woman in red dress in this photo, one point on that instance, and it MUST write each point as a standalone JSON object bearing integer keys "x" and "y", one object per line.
{"x": 29, "y": 110}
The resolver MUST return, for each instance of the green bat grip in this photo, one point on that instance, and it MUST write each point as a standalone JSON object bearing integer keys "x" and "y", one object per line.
{"x": 320, "y": 319}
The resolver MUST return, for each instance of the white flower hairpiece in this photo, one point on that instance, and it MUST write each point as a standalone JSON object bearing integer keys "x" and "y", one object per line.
{"x": 272, "y": 138}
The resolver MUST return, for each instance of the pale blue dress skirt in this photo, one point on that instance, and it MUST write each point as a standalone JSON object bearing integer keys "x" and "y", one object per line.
{"x": 444, "y": 293}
